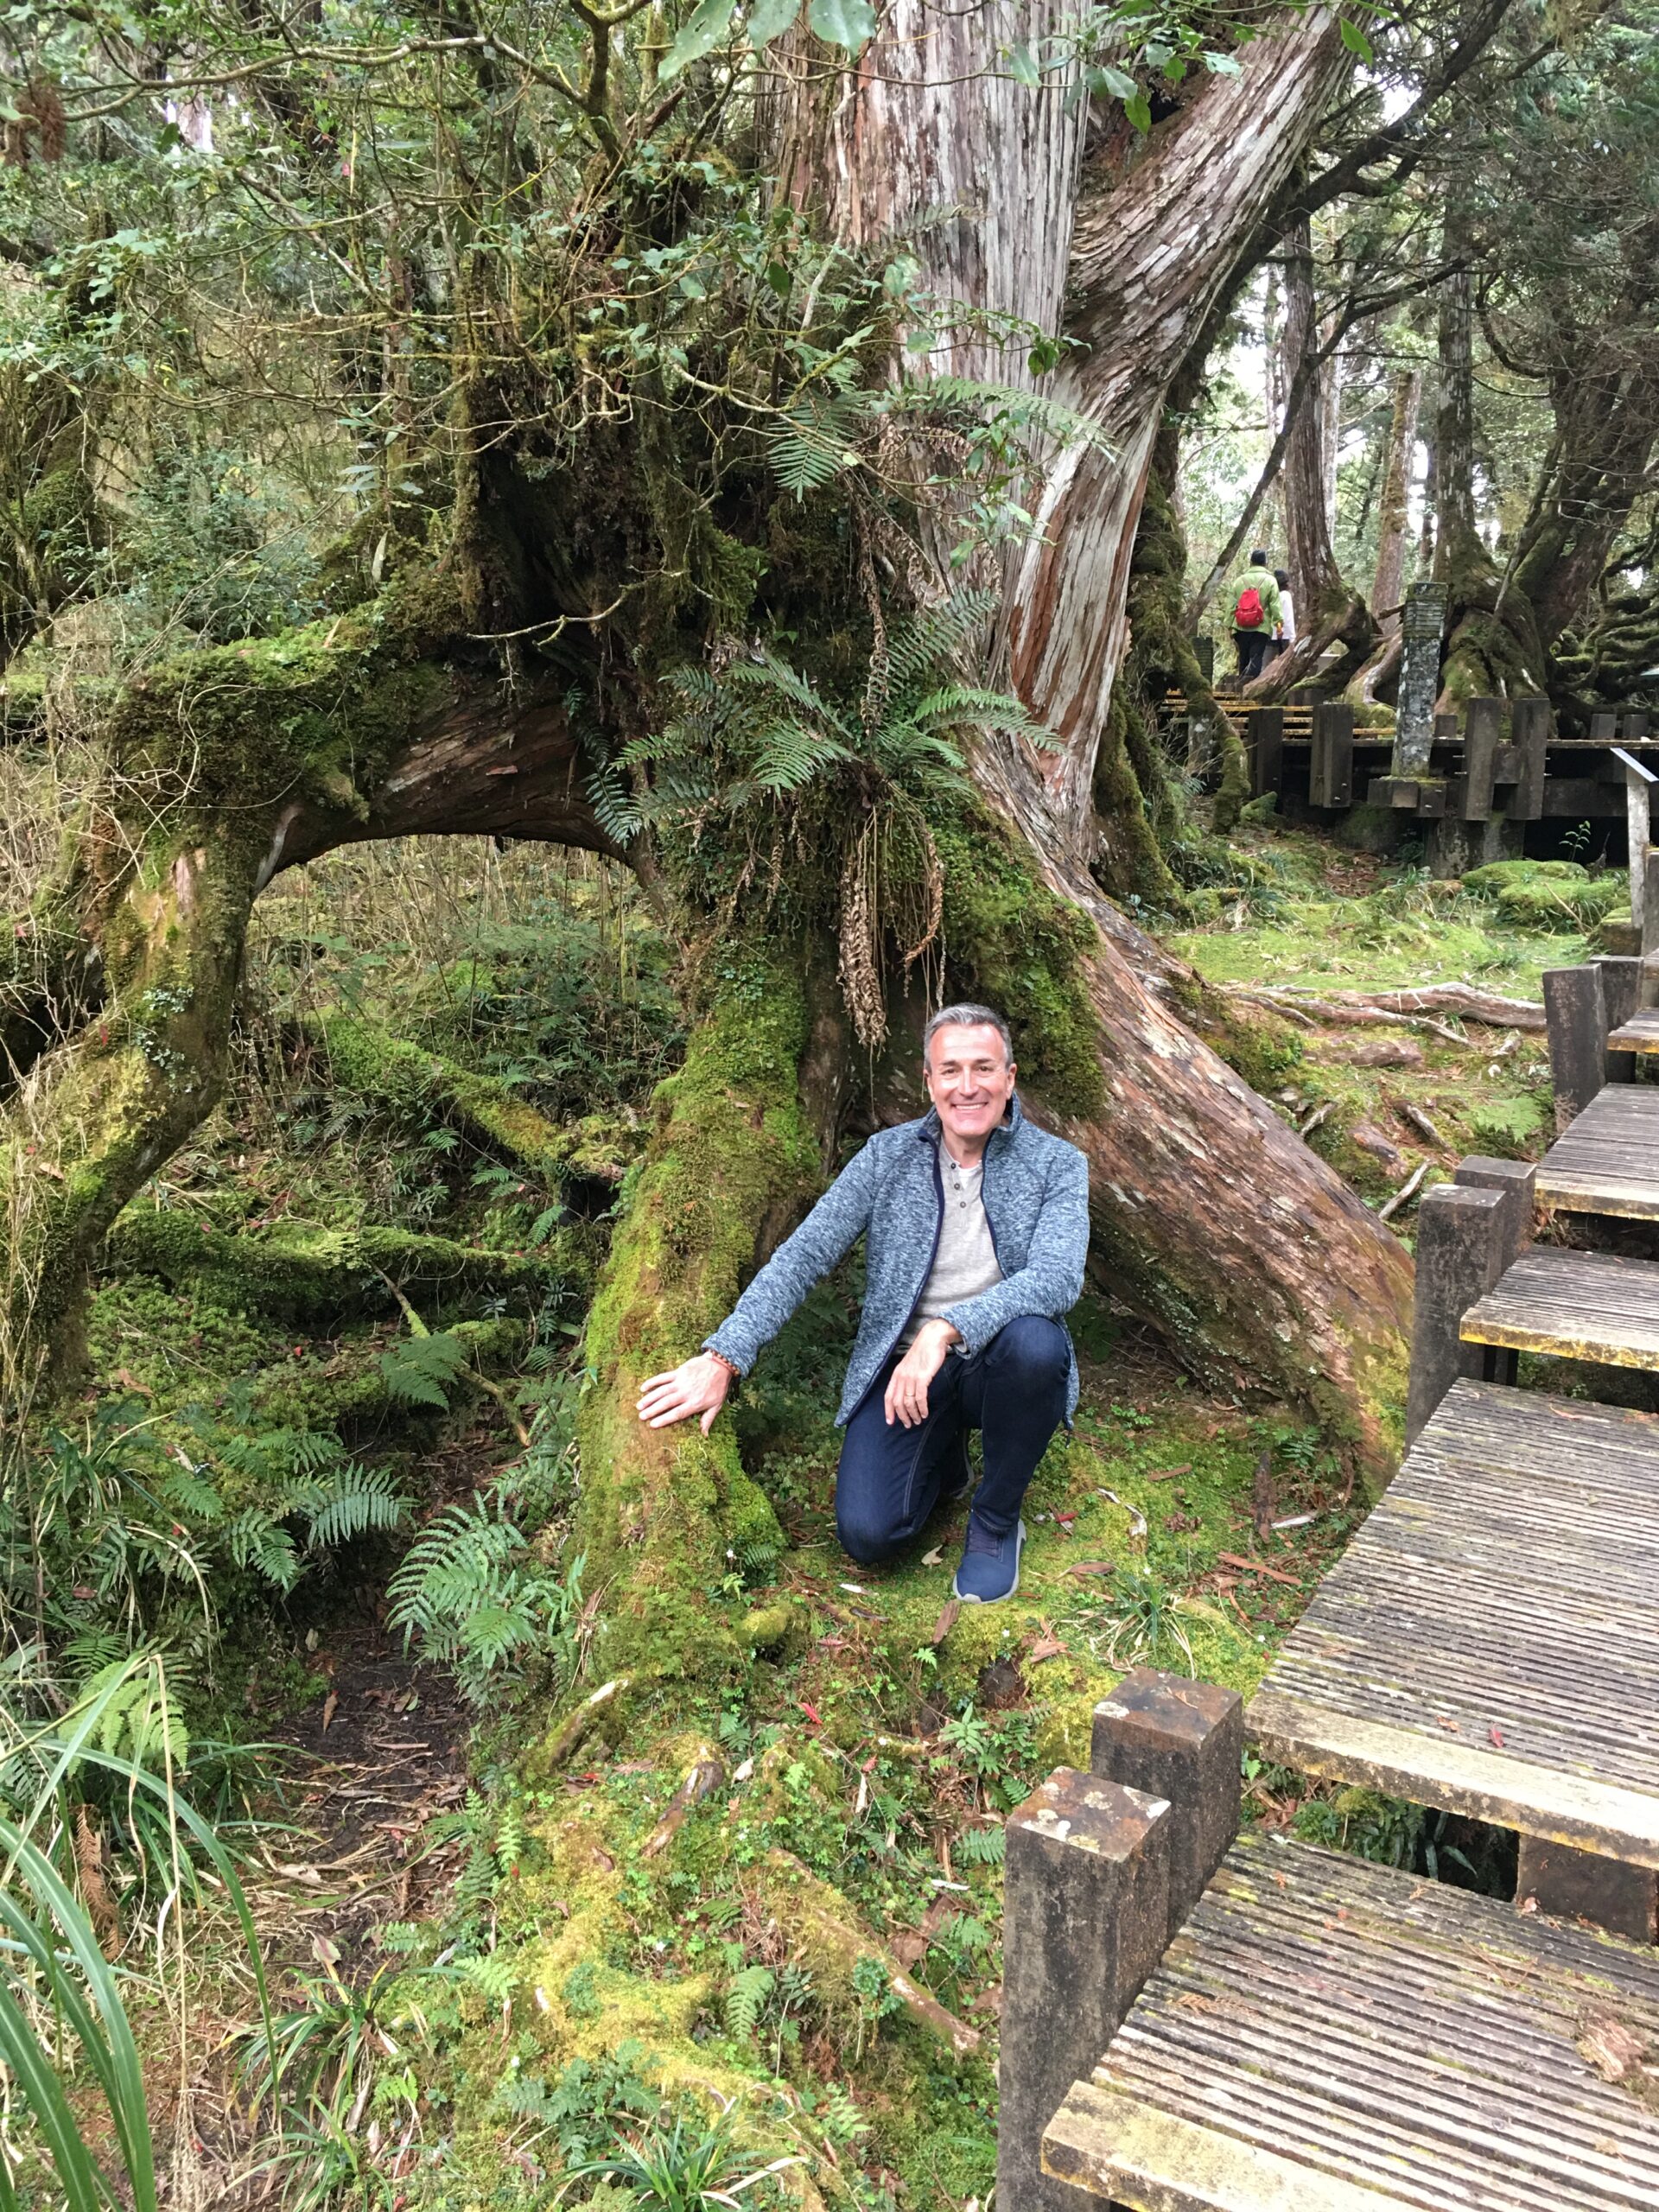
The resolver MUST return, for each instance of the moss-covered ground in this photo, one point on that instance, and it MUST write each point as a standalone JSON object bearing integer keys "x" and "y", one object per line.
{"x": 701, "y": 1907}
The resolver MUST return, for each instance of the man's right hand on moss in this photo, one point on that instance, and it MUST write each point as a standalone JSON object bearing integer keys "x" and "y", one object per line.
{"x": 699, "y": 1385}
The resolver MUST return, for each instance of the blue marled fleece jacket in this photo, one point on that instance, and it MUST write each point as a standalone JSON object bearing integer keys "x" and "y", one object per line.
{"x": 1036, "y": 1197}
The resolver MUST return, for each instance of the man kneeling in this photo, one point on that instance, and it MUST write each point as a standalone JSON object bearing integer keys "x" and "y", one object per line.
{"x": 976, "y": 1225}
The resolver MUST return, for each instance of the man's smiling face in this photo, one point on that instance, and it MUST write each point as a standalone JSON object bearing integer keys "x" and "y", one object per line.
{"x": 969, "y": 1077}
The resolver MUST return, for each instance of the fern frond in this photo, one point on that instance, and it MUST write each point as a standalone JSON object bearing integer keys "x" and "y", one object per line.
{"x": 189, "y": 1496}
{"x": 615, "y": 807}
{"x": 258, "y": 1541}
{"x": 421, "y": 1370}
{"x": 981, "y": 1847}
{"x": 927, "y": 642}
{"x": 790, "y": 755}
{"x": 350, "y": 1502}
{"x": 745, "y": 2000}
{"x": 767, "y": 672}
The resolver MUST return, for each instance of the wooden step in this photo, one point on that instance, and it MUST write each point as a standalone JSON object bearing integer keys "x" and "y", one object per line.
{"x": 1328, "y": 2035}
{"x": 1639, "y": 1034}
{"x": 1608, "y": 1160}
{"x": 1489, "y": 1642}
{"x": 1573, "y": 1305}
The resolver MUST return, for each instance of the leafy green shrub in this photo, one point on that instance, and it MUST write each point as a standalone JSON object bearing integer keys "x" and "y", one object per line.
{"x": 68, "y": 2044}
{"x": 683, "y": 2168}
{"x": 1548, "y": 894}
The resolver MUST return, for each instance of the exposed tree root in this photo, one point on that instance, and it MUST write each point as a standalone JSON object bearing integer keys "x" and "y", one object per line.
{"x": 371, "y": 1061}
{"x": 305, "y": 1273}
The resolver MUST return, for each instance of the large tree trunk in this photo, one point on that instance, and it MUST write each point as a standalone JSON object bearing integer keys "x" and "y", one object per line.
{"x": 1381, "y": 674}
{"x": 1388, "y": 583}
{"x": 1327, "y": 612}
{"x": 1186, "y": 1160}
{"x": 1492, "y": 645}
{"x": 1315, "y": 579}
{"x": 1153, "y": 249}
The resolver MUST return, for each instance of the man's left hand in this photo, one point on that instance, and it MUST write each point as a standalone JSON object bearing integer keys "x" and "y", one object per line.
{"x": 906, "y": 1393}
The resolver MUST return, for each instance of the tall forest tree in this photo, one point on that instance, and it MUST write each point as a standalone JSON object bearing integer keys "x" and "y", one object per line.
{"x": 627, "y": 420}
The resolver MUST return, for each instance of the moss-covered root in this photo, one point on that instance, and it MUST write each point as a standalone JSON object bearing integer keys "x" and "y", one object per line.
{"x": 304, "y": 1274}
{"x": 371, "y": 1061}
{"x": 98, "y": 1117}
{"x": 731, "y": 1156}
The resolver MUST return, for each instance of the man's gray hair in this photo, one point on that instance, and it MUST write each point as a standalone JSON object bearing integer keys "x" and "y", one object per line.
{"x": 967, "y": 1017}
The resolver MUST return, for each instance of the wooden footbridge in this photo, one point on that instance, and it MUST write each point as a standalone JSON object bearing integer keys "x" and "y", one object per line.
{"x": 1195, "y": 2020}
{"x": 1481, "y": 779}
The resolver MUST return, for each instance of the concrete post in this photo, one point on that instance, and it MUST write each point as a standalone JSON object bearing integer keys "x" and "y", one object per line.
{"x": 1461, "y": 1251}
{"x": 1085, "y": 1915}
{"x": 1583, "y": 1885}
{"x": 1182, "y": 1740}
{"x": 1576, "y": 1016}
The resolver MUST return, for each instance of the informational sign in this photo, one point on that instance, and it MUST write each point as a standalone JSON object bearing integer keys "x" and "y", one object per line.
{"x": 1421, "y": 623}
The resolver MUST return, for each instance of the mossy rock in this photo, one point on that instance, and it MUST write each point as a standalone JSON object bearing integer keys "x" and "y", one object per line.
{"x": 1557, "y": 895}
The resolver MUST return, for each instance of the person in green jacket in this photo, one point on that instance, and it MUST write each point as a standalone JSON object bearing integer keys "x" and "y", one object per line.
{"x": 1255, "y": 593}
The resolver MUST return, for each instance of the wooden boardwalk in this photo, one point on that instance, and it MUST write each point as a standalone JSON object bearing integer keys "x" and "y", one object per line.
{"x": 1327, "y": 2036}
{"x": 1489, "y": 1640}
{"x": 1573, "y": 1305}
{"x": 1608, "y": 1160}
{"x": 1324, "y": 2034}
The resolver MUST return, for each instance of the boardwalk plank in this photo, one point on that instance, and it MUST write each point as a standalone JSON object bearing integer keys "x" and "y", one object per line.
{"x": 1328, "y": 2035}
{"x": 1608, "y": 1160}
{"x": 1489, "y": 1642}
{"x": 1573, "y": 1305}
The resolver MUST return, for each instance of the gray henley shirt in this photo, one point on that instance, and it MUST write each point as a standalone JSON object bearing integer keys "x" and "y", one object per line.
{"x": 965, "y": 1264}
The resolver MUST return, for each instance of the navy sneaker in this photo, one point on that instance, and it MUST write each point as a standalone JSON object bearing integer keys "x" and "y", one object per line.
{"x": 958, "y": 1480}
{"x": 990, "y": 1565}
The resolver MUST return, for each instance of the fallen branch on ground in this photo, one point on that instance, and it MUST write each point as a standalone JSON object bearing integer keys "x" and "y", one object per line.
{"x": 1404, "y": 1191}
{"x": 1343, "y": 1017}
{"x": 705, "y": 1775}
{"x": 1462, "y": 999}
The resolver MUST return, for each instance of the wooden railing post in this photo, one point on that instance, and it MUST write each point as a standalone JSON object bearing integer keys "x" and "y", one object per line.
{"x": 1462, "y": 1250}
{"x": 1575, "y": 1014}
{"x": 1529, "y": 726}
{"x": 1517, "y": 1179}
{"x": 1181, "y": 1740}
{"x": 1621, "y": 996}
{"x": 1085, "y": 1912}
{"x": 1267, "y": 750}
{"x": 1480, "y": 757}
{"x": 1331, "y": 763}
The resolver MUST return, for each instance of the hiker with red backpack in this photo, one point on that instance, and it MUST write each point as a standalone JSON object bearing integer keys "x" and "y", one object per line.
{"x": 1257, "y": 616}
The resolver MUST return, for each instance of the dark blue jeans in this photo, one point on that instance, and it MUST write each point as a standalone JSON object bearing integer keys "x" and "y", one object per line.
{"x": 889, "y": 1479}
